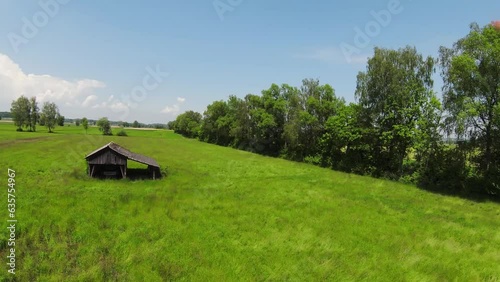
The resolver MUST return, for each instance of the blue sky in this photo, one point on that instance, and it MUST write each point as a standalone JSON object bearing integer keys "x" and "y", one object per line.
{"x": 111, "y": 58}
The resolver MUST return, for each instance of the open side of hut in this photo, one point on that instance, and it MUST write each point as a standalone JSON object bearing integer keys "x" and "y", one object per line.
{"x": 111, "y": 161}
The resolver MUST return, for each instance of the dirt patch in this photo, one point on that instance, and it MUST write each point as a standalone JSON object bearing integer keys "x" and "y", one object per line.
{"x": 24, "y": 140}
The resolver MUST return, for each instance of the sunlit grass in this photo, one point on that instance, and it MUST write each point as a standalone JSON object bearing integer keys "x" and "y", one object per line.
{"x": 223, "y": 214}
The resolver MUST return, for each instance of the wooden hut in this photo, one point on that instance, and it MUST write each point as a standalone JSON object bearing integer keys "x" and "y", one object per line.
{"x": 111, "y": 161}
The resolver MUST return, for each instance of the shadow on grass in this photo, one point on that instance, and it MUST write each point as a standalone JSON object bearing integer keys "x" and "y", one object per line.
{"x": 132, "y": 174}
{"x": 140, "y": 174}
{"x": 473, "y": 194}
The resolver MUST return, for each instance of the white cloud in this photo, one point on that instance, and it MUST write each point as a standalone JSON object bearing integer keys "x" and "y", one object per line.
{"x": 118, "y": 107}
{"x": 89, "y": 100}
{"x": 14, "y": 82}
{"x": 100, "y": 105}
{"x": 171, "y": 109}
{"x": 77, "y": 98}
{"x": 332, "y": 55}
{"x": 175, "y": 108}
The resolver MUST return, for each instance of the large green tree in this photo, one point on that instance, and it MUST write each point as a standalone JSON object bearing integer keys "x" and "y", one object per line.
{"x": 393, "y": 91}
{"x": 34, "y": 113}
{"x": 85, "y": 124}
{"x": 188, "y": 124}
{"x": 241, "y": 130}
{"x": 471, "y": 73}
{"x": 60, "y": 120}
{"x": 345, "y": 145}
{"x": 273, "y": 117}
{"x": 104, "y": 126}
{"x": 306, "y": 111}
{"x": 21, "y": 111}
{"x": 216, "y": 124}
{"x": 49, "y": 115}
{"x": 292, "y": 148}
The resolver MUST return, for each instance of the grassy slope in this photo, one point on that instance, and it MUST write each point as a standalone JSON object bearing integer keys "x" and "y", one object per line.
{"x": 224, "y": 214}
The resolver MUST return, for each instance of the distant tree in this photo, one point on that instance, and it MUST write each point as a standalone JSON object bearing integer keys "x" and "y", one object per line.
{"x": 136, "y": 124}
{"x": 34, "y": 113}
{"x": 125, "y": 124}
{"x": 171, "y": 125}
{"x": 85, "y": 124}
{"x": 20, "y": 110}
{"x": 6, "y": 114}
{"x": 104, "y": 126}
{"x": 60, "y": 120}
{"x": 49, "y": 115}
{"x": 77, "y": 122}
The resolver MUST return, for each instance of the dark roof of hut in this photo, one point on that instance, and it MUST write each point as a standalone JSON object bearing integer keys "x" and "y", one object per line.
{"x": 126, "y": 153}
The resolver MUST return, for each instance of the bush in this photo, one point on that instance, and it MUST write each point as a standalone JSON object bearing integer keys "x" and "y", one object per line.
{"x": 446, "y": 171}
{"x": 164, "y": 171}
{"x": 121, "y": 133}
{"x": 411, "y": 173}
{"x": 315, "y": 160}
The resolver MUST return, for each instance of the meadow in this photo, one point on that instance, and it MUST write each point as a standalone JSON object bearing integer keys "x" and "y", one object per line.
{"x": 226, "y": 215}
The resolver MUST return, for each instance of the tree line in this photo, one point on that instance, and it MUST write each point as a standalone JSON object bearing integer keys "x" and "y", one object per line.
{"x": 397, "y": 129}
{"x": 26, "y": 114}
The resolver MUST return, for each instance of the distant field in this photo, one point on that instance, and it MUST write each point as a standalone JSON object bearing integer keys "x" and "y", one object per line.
{"x": 8, "y": 131}
{"x": 223, "y": 214}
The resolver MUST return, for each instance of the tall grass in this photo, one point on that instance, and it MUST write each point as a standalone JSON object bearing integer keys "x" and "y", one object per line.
{"x": 223, "y": 214}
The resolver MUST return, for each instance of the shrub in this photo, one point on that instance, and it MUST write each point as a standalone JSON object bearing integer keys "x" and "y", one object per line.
{"x": 121, "y": 133}
{"x": 164, "y": 171}
{"x": 315, "y": 160}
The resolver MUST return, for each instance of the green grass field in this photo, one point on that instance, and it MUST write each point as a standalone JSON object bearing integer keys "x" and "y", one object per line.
{"x": 226, "y": 215}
